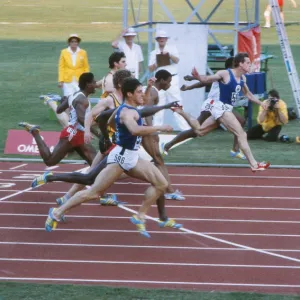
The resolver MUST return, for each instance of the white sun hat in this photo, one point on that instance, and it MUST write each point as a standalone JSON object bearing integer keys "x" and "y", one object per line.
{"x": 162, "y": 34}
{"x": 130, "y": 32}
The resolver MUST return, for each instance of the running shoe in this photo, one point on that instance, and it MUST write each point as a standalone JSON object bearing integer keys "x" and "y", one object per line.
{"x": 60, "y": 201}
{"x": 50, "y": 97}
{"x": 40, "y": 180}
{"x": 177, "y": 195}
{"x": 261, "y": 166}
{"x": 140, "y": 226}
{"x": 29, "y": 127}
{"x": 237, "y": 154}
{"x": 110, "y": 200}
{"x": 51, "y": 222}
{"x": 169, "y": 223}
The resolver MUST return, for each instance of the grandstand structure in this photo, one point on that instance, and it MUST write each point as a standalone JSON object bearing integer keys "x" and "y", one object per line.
{"x": 245, "y": 16}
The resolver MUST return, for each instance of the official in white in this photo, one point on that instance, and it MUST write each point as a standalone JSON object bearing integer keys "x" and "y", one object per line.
{"x": 133, "y": 52}
{"x": 166, "y": 57}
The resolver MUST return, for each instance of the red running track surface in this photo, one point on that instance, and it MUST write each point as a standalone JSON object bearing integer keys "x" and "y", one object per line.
{"x": 242, "y": 233}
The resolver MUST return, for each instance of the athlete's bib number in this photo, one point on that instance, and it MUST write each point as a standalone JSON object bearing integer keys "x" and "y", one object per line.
{"x": 138, "y": 143}
{"x": 235, "y": 95}
{"x": 72, "y": 132}
{"x": 120, "y": 159}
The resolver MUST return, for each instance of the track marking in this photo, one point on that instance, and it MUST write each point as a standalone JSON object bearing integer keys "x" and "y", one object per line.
{"x": 175, "y": 206}
{"x": 51, "y": 168}
{"x": 21, "y": 191}
{"x": 142, "y": 247}
{"x": 220, "y": 240}
{"x": 15, "y": 194}
{"x": 90, "y": 230}
{"x": 175, "y": 184}
{"x": 141, "y": 263}
{"x": 192, "y": 175}
{"x": 114, "y": 281}
{"x": 19, "y": 166}
{"x": 167, "y": 206}
{"x": 193, "y": 196}
{"x": 150, "y": 231}
{"x": 5, "y": 185}
{"x": 155, "y": 219}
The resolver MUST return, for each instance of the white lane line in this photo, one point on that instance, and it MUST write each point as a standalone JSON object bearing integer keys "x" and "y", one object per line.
{"x": 192, "y": 175}
{"x": 155, "y": 247}
{"x": 90, "y": 230}
{"x": 176, "y": 206}
{"x": 19, "y": 166}
{"x": 51, "y": 168}
{"x": 21, "y": 191}
{"x": 146, "y": 263}
{"x": 179, "y": 219}
{"x": 191, "y": 184}
{"x": 188, "y": 283}
{"x": 153, "y": 231}
{"x": 142, "y": 247}
{"x": 15, "y": 194}
{"x": 221, "y": 240}
{"x": 234, "y": 176}
{"x": 192, "y": 196}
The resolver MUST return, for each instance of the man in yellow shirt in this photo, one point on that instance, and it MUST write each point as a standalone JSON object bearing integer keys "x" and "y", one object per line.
{"x": 270, "y": 121}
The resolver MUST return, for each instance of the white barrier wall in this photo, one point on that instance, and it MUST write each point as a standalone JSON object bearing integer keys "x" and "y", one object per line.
{"x": 191, "y": 42}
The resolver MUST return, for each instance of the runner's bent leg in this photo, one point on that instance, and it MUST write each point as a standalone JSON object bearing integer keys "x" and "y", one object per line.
{"x": 232, "y": 124}
{"x": 146, "y": 171}
{"x": 103, "y": 181}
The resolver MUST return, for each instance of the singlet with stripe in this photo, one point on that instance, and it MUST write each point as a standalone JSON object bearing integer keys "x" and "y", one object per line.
{"x": 229, "y": 92}
{"x": 111, "y": 131}
{"x": 73, "y": 118}
{"x": 123, "y": 137}
{"x": 214, "y": 92}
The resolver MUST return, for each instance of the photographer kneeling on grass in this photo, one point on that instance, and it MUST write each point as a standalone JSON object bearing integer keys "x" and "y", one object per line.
{"x": 271, "y": 120}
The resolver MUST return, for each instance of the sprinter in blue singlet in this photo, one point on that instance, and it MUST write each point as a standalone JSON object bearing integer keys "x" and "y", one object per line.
{"x": 124, "y": 157}
{"x": 231, "y": 83}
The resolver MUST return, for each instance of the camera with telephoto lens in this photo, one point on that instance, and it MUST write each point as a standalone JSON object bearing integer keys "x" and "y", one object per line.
{"x": 273, "y": 101}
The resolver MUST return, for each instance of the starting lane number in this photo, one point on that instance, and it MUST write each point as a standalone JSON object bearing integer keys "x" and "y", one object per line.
{"x": 6, "y": 185}
{"x": 27, "y": 176}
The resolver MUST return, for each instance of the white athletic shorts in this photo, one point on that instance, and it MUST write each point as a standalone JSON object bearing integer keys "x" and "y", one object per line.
{"x": 127, "y": 159}
{"x": 216, "y": 108}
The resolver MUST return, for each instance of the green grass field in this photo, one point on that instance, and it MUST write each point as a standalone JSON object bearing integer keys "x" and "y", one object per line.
{"x": 29, "y": 55}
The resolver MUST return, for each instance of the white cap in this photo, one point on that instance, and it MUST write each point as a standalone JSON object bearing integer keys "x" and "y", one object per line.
{"x": 74, "y": 35}
{"x": 130, "y": 32}
{"x": 161, "y": 33}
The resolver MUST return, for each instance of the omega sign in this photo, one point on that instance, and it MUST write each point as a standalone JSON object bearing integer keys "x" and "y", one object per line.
{"x": 21, "y": 142}
{"x": 33, "y": 148}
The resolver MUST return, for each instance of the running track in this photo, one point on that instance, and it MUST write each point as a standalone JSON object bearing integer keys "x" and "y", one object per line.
{"x": 242, "y": 233}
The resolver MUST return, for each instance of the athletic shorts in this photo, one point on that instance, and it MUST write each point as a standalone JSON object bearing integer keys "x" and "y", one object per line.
{"x": 280, "y": 3}
{"x": 216, "y": 108}
{"x": 75, "y": 137}
{"x": 126, "y": 159}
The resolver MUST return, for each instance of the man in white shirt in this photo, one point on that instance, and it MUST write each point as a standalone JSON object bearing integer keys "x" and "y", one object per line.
{"x": 133, "y": 52}
{"x": 166, "y": 57}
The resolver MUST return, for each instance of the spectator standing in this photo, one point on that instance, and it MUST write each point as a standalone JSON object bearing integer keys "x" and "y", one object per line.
{"x": 133, "y": 52}
{"x": 73, "y": 62}
{"x": 166, "y": 57}
{"x": 268, "y": 11}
